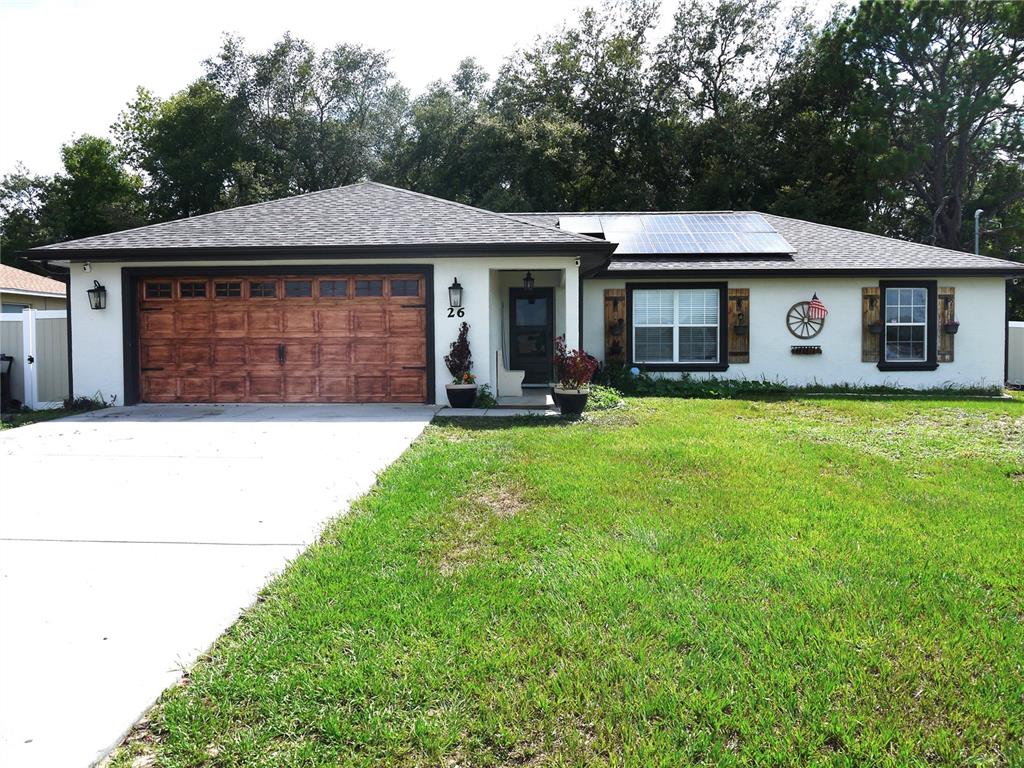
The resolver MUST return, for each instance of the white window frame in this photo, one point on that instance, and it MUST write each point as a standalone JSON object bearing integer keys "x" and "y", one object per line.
{"x": 886, "y": 324}
{"x": 676, "y": 325}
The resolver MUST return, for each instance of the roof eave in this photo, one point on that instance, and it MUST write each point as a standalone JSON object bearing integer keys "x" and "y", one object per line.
{"x": 1005, "y": 274}
{"x": 314, "y": 252}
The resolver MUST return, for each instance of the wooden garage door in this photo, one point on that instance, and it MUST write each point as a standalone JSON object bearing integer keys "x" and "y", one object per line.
{"x": 301, "y": 338}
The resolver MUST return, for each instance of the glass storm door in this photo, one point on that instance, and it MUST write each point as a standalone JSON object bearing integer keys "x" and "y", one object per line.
{"x": 531, "y": 333}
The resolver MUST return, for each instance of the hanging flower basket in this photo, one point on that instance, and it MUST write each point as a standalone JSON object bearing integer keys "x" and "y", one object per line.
{"x": 875, "y": 328}
{"x": 951, "y": 328}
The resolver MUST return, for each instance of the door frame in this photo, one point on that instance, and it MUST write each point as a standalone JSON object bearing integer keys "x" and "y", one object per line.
{"x": 130, "y": 277}
{"x": 517, "y": 292}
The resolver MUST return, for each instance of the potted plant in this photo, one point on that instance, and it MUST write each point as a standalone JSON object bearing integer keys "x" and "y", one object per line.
{"x": 574, "y": 369}
{"x": 462, "y": 391}
{"x": 875, "y": 328}
{"x": 951, "y": 327}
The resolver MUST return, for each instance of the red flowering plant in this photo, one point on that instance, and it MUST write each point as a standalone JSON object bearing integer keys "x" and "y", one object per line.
{"x": 574, "y": 367}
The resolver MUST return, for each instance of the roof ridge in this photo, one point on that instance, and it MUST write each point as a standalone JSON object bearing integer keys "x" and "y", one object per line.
{"x": 620, "y": 213}
{"x": 506, "y": 216}
{"x": 889, "y": 237}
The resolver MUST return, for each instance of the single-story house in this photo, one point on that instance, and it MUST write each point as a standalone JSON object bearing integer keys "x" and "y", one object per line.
{"x": 26, "y": 290}
{"x": 355, "y": 294}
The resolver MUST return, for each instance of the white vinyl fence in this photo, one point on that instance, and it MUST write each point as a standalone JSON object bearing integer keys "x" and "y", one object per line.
{"x": 38, "y": 342}
{"x": 1016, "y": 352}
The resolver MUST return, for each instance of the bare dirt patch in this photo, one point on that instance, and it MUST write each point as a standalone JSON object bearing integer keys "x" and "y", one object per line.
{"x": 469, "y": 530}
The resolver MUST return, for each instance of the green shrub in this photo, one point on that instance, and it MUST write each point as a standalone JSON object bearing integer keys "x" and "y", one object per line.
{"x": 484, "y": 397}
{"x": 603, "y": 398}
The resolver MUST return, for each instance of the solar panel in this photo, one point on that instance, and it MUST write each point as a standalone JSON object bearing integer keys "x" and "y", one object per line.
{"x": 682, "y": 233}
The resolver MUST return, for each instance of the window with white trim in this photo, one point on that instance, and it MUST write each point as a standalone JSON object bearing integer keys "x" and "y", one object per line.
{"x": 679, "y": 325}
{"x": 906, "y": 325}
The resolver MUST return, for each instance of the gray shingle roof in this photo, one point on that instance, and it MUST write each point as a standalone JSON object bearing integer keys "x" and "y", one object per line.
{"x": 364, "y": 216}
{"x": 818, "y": 248}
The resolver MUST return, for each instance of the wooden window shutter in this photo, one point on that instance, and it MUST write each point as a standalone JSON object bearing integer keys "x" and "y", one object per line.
{"x": 871, "y": 311}
{"x": 739, "y": 325}
{"x": 615, "y": 325}
{"x": 946, "y": 313}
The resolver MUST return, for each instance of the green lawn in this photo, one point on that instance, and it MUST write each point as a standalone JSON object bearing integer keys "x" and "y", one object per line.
{"x": 793, "y": 582}
{"x": 24, "y": 418}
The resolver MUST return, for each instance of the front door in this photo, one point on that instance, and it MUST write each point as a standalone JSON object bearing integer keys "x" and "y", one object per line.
{"x": 531, "y": 333}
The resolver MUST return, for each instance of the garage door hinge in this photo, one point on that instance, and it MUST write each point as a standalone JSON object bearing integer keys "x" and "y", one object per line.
{"x": 151, "y": 309}
{"x": 414, "y": 367}
{"x": 413, "y": 306}
{"x": 152, "y": 369}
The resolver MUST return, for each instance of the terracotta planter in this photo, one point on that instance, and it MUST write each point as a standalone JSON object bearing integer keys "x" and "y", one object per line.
{"x": 571, "y": 402}
{"x": 461, "y": 395}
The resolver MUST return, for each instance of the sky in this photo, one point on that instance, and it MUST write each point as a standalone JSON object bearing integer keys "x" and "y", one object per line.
{"x": 68, "y": 67}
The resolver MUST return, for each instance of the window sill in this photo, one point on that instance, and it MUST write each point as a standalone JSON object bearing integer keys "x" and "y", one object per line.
{"x": 925, "y": 366}
{"x": 679, "y": 367}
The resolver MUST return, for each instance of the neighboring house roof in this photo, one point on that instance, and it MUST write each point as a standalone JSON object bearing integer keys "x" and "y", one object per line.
{"x": 19, "y": 281}
{"x": 360, "y": 218}
{"x": 816, "y": 248}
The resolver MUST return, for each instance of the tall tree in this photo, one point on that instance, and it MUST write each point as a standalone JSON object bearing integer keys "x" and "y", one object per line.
{"x": 941, "y": 93}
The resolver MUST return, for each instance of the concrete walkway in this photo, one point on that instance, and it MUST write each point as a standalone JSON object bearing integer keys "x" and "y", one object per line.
{"x": 132, "y": 537}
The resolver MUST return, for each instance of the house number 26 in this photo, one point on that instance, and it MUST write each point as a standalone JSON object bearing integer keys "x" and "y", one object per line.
{"x": 453, "y": 312}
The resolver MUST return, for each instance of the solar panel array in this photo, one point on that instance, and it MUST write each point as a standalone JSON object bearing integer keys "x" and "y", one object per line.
{"x": 681, "y": 233}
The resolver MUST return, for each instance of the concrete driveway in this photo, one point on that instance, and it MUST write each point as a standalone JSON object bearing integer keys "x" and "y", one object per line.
{"x": 132, "y": 537}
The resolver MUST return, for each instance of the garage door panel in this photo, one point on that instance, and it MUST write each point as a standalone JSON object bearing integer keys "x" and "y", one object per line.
{"x": 195, "y": 354}
{"x": 300, "y": 353}
{"x": 156, "y": 389}
{"x": 406, "y": 352}
{"x": 407, "y": 388}
{"x": 365, "y": 352}
{"x": 369, "y": 321}
{"x": 193, "y": 322}
{"x": 411, "y": 321}
{"x": 197, "y": 388}
{"x": 355, "y": 340}
{"x": 157, "y": 322}
{"x": 371, "y": 389}
{"x": 157, "y": 353}
{"x": 335, "y": 353}
{"x": 339, "y": 389}
{"x": 300, "y": 321}
{"x": 229, "y": 354}
{"x": 229, "y": 389}
{"x": 262, "y": 321}
{"x": 336, "y": 322}
{"x": 266, "y": 386}
{"x": 300, "y": 388}
{"x": 229, "y": 321}
{"x": 262, "y": 354}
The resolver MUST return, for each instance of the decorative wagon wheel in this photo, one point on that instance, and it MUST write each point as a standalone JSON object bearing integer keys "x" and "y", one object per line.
{"x": 800, "y": 322}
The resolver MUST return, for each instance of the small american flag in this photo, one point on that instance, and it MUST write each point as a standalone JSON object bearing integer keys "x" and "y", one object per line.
{"x": 816, "y": 310}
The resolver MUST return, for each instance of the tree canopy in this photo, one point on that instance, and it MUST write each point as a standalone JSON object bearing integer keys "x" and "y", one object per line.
{"x": 898, "y": 118}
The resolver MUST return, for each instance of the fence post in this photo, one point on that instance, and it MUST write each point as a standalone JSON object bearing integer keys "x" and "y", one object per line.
{"x": 28, "y": 351}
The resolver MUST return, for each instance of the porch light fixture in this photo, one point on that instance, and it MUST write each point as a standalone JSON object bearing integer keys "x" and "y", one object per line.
{"x": 455, "y": 294}
{"x": 528, "y": 282}
{"x": 97, "y": 296}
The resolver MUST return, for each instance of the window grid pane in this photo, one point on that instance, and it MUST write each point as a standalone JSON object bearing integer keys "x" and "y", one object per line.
{"x": 906, "y": 312}
{"x": 298, "y": 289}
{"x": 676, "y": 326}
{"x": 334, "y": 288}
{"x": 369, "y": 287}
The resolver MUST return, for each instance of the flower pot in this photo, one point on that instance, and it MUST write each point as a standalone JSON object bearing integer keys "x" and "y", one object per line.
{"x": 951, "y": 328}
{"x": 875, "y": 328}
{"x": 571, "y": 402}
{"x": 461, "y": 395}
{"x": 741, "y": 330}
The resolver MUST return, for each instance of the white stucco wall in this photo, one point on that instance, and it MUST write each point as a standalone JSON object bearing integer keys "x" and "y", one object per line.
{"x": 978, "y": 350}
{"x": 98, "y": 340}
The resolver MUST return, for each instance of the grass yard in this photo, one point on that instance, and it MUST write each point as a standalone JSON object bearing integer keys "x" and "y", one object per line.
{"x": 791, "y": 582}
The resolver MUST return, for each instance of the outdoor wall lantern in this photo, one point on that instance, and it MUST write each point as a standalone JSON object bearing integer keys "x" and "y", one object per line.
{"x": 97, "y": 296}
{"x": 455, "y": 294}
{"x": 528, "y": 282}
